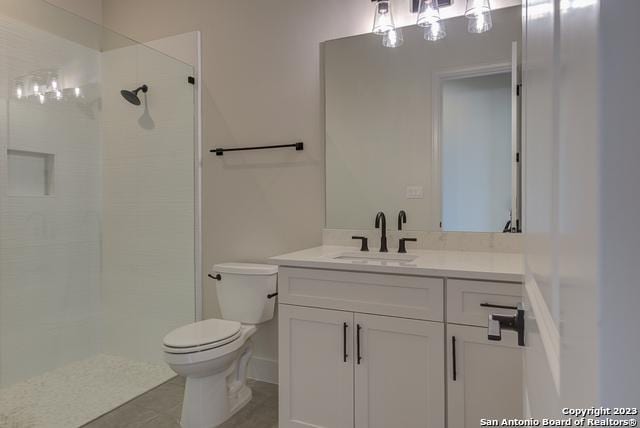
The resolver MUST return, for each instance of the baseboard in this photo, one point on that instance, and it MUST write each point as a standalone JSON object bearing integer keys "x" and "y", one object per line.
{"x": 264, "y": 370}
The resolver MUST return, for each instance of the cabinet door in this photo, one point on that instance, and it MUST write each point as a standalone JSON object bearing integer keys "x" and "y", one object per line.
{"x": 315, "y": 367}
{"x": 488, "y": 376}
{"x": 400, "y": 375}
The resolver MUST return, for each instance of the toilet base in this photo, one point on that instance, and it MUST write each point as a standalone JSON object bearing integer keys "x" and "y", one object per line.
{"x": 210, "y": 414}
{"x": 243, "y": 397}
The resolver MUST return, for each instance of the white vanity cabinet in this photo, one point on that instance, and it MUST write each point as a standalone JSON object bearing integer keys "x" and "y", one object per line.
{"x": 344, "y": 369}
{"x": 399, "y": 380}
{"x": 376, "y": 350}
{"x": 316, "y": 367}
{"x": 484, "y": 378}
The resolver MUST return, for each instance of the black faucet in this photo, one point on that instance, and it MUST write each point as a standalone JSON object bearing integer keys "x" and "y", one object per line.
{"x": 381, "y": 223}
{"x": 402, "y": 218}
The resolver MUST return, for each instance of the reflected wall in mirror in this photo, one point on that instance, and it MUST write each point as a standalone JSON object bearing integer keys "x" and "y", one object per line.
{"x": 428, "y": 127}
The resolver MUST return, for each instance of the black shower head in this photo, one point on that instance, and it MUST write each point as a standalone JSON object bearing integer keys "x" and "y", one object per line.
{"x": 132, "y": 96}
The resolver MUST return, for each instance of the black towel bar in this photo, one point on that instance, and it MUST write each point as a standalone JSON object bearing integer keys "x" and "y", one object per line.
{"x": 220, "y": 151}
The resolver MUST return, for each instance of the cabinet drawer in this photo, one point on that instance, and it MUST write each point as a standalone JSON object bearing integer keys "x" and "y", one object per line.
{"x": 394, "y": 295}
{"x": 466, "y": 297}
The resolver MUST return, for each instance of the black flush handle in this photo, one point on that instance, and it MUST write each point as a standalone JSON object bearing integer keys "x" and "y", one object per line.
{"x": 217, "y": 277}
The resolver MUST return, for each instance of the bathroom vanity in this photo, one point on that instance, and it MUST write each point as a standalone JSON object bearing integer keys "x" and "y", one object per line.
{"x": 371, "y": 339}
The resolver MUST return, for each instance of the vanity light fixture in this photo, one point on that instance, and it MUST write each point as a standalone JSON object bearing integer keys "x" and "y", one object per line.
{"x": 383, "y": 24}
{"x": 383, "y": 19}
{"x": 478, "y": 13}
{"x": 429, "y": 18}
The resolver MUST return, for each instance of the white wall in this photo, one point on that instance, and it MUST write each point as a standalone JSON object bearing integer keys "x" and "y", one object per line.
{"x": 379, "y": 118}
{"x": 88, "y": 9}
{"x": 476, "y": 153}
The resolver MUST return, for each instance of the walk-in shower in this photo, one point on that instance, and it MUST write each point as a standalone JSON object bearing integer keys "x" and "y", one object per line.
{"x": 96, "y": 216}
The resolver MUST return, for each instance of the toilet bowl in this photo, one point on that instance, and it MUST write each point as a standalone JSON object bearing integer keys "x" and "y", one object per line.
{"x": 213, "y": 355}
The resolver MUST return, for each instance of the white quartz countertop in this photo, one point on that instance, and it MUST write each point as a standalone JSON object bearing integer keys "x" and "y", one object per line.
{"x": 453, "y": 264}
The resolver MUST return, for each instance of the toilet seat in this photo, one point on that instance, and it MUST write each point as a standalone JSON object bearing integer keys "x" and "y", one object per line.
{"x": 190, "y": 358}
{"x": 201, "y": 336}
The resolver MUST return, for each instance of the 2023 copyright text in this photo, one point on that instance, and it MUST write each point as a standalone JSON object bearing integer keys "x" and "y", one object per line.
{"x": 575, "y": 417}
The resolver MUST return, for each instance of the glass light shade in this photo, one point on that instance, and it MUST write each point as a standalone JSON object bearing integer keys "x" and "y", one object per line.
{"x": 393, "y": 38}
{"x": 478, "y": 13}
{"x": 19, "y": 92}
{"x": 435, "y": 31}
{"x": 479, "y": 23}
{"x": 428, "y": 13}
{"x": 383, "y": 20}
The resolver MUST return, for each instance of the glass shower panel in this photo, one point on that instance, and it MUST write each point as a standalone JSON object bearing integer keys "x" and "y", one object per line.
{"x": 96, "y": 215}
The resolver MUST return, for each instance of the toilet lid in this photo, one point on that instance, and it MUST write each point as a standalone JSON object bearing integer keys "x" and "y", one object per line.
{"x": 202, "y": 333}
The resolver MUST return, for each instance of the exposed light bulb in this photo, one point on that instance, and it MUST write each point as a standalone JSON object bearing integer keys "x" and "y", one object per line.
{"x": 36, "y": 88}
{"x": 478, "y": 13}
{"x": 393, "y": 38}
{"x": 41, "y": 97}
{"x": 383, "y": 20}
{"x": 19, "y": 92}
{"x": 435, "y": 31}
{"x": 54, "y": 84}
{"x": 76, "y": 91}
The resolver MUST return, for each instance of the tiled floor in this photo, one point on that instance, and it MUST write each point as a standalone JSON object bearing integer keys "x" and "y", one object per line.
{"x": 161, "y": 407}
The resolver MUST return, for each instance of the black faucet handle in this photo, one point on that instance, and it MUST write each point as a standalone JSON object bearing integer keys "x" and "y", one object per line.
{"x": 402, "y": 247}
{"x": 402, "y": 218}
{"x": 365, "y": 242}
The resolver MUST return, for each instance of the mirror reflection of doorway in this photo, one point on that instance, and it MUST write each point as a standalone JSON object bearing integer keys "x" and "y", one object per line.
{"x": 476, "y": 153}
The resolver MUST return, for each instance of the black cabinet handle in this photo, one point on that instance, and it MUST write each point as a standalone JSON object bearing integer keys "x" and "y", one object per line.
{"x": 217, "y": 277}
{"x": 491, "y": 305}
{"x": 359, "y": 357}
{"x": 344, "y": 342}
{"x": 453, "y": 357}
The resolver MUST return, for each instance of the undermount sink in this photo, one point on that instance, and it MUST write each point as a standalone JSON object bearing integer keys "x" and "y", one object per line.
{"x": 381, "y": 257}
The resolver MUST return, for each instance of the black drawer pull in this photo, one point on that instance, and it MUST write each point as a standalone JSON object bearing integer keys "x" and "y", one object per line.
{"x": 344, "y": 342}
{"x": 359, "y": 357}
{"x": 453, "y": 357}
{"x": 491, "y": 305}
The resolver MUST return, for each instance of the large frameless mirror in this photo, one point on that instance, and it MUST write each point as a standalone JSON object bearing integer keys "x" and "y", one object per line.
{"x": 429, "y": 126}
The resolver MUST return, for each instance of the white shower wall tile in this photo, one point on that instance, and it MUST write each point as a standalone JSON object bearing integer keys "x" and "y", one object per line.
{"x": 148, "y": 212}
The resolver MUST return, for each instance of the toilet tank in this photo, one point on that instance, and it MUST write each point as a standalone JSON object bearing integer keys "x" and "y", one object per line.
{"x": 244, "y": 290}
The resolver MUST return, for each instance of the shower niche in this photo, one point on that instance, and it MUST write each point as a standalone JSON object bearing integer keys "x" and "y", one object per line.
{"x": 30, "y": 173}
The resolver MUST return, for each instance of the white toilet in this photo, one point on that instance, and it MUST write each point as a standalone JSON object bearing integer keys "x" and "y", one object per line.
{"x": 213, "y": 354}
